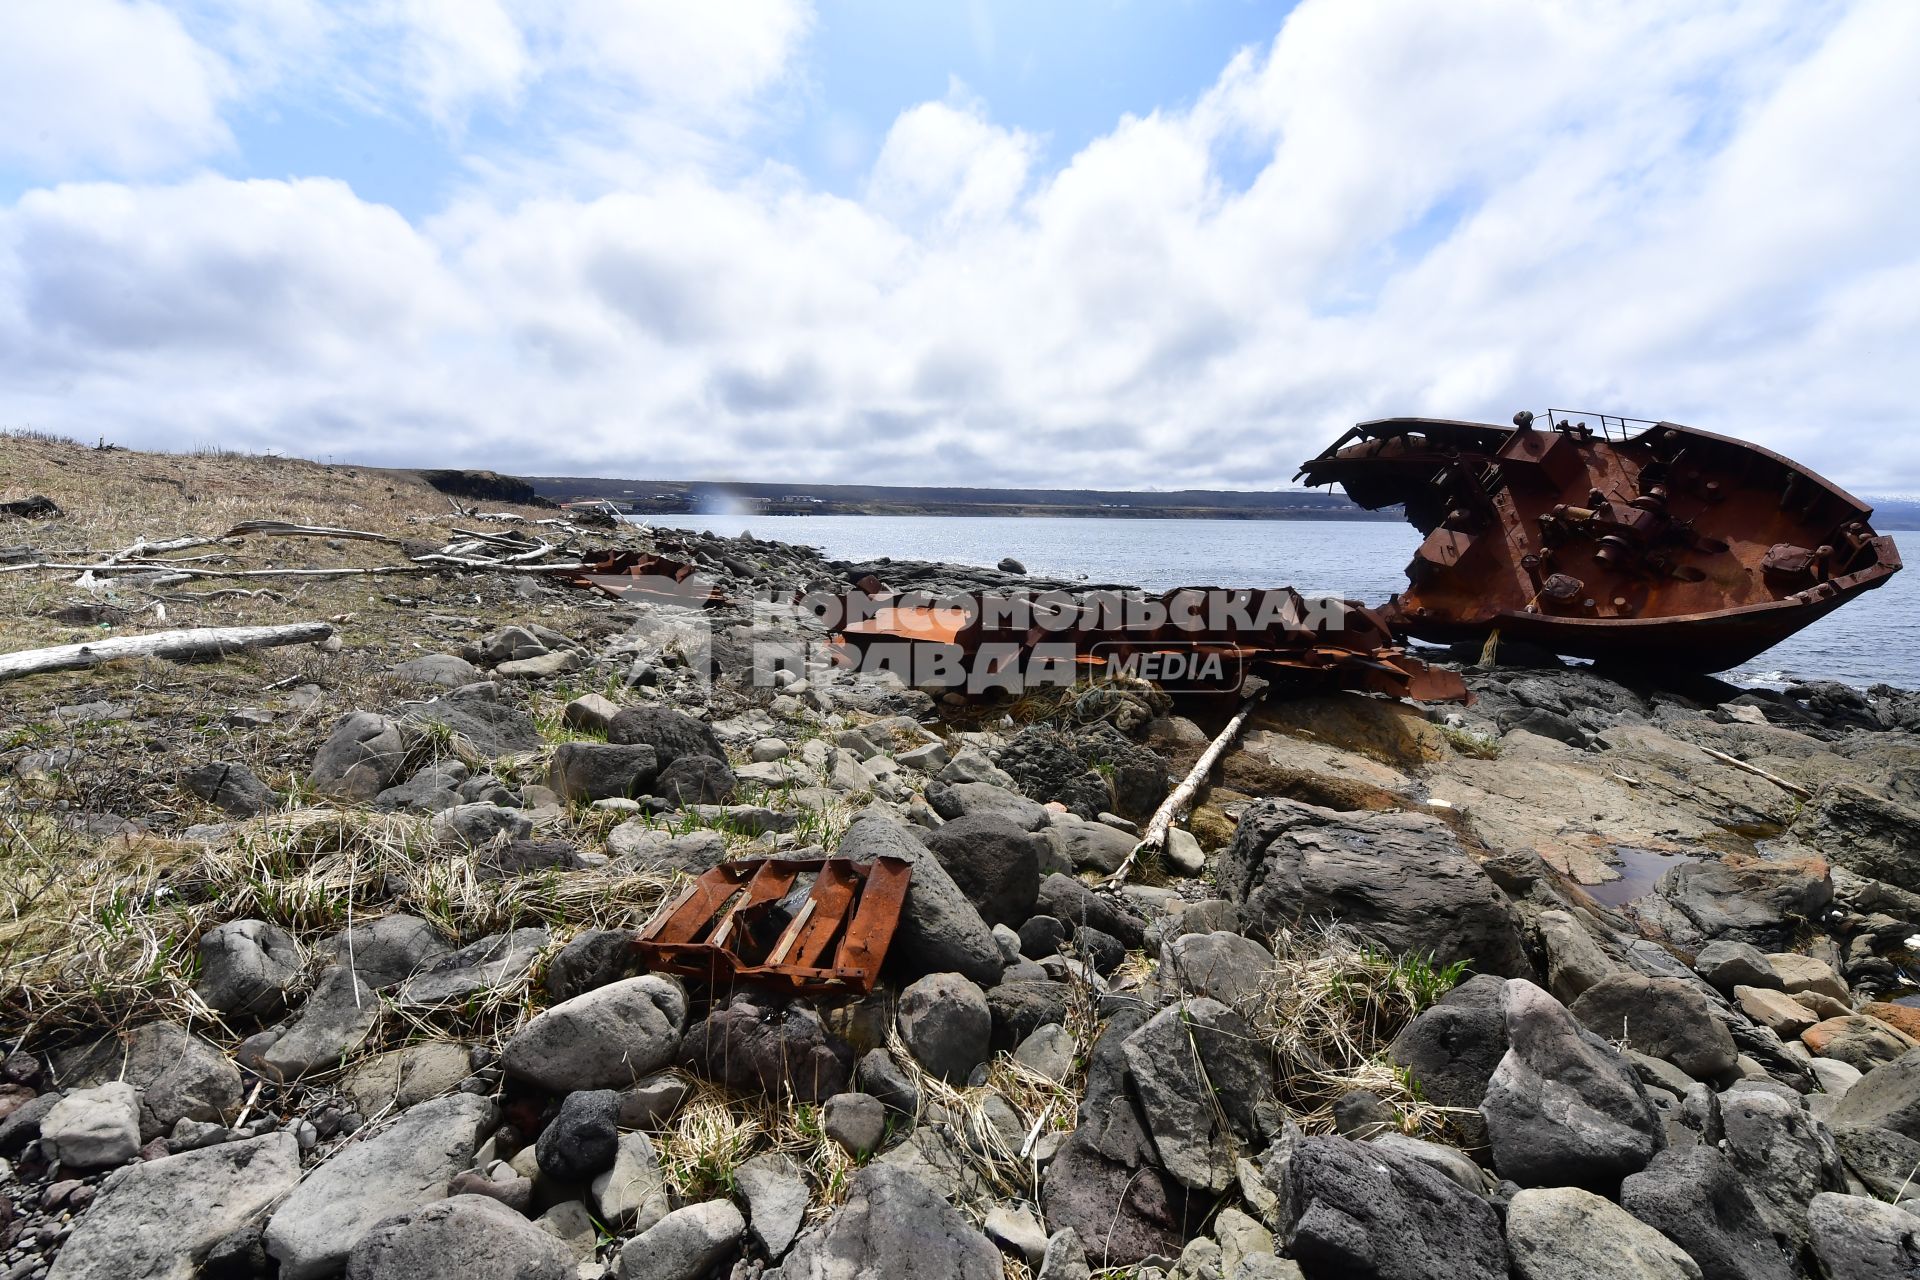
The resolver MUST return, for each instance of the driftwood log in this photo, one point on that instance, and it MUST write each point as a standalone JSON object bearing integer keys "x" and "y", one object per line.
{"x": 1154, "y": 839}
{"x": 194, "y": 642}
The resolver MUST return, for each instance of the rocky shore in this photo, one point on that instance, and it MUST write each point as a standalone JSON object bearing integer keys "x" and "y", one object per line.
{"x": 327, "y": 969}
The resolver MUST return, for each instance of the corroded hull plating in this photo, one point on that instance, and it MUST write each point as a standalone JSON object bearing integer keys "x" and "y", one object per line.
{"x": 1636, "y": 542}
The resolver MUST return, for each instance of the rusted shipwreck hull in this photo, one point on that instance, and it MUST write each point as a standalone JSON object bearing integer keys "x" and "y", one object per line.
{"x": 1192, "y": 639}
{"x": 1631, "y": 541}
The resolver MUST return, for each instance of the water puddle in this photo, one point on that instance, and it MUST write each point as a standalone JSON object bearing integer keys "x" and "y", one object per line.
{"x": 1640, "y": 870}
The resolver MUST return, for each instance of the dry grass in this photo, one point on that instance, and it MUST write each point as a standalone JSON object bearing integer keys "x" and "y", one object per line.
{"x": 108, "y": 925}
{"x": 1333, "y": 1006}
{"x": 100, "y": 934}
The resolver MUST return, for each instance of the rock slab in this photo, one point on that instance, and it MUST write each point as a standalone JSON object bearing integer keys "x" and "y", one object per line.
{"x": 893, "y": 1224}
{"x": 160, "y": 1219}
{"x": 458, "y": 1239}
{"x": 401, "y": 1168}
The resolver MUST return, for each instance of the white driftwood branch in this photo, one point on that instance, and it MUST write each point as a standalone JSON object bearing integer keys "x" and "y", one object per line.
{"x": 195, "y": 642}
{"x": 170, "y": 567}
{"x": 1154, "y": 838}
{"x": 144, "y": 550}
{"x": 1791, "y": 788}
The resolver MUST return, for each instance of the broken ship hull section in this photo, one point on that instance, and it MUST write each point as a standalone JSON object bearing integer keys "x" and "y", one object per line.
{"x": 1650, "y": 544}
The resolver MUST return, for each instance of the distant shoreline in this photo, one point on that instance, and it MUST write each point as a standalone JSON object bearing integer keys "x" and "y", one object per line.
{"x": 1388, "y": 516}
{"x": 644, "y": 499}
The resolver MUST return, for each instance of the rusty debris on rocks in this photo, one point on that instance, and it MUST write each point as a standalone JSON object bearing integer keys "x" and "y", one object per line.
{"x": 640, "y": 575}
{"x": 1610, "y": 538}
{"x": 806, "y": 926}
{"x": 1199, "y": 639}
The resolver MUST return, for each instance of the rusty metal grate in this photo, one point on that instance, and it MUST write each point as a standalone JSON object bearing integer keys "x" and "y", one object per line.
{"x": 802, "y": 925}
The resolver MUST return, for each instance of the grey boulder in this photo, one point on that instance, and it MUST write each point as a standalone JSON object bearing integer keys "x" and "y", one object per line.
{"x": 1885, "y": 1162}
{"x": 692, "y": 780}
{"x": 480, "y": 968}
{"x": 777, "y": 1198}
{"x": 780, "y": 1048}
{"x": 93, "y": 1128}
{"x": 672, "y": 734}
{"x": 480, "y": 823}
{"x": 632, "y": 1195}
{"x": 946, "y": 1025}
{"x": 1856, "y": 1238}
{"x": 1090, "y": 846}
{"x": 583, "y": 1137}
{"x": 1693, "y": 1198}
{"x": 1222, "y": 966}
{"x": 179, "y": 1075}
{"x": 940, "y": 929}
{"x": 1575, "y": 961}
{"x": 1727, "y": 964}
{"x": 892, "y": 1224}
{"x": 448, "y": 670}
{"x": 1784, "y": 1155}
{"x": 407, "y": 1076}
{"x": 684, "y": 1245}
{"x": 231, "y": 786}
{"x": 1126, "y": 1209}
{"x": 1564, "y": 1233}
{"x": 582, "y": 771}
{"x": 1453, "y": 1048}
{"x": 957, "y": 800}
{"x": 857, "y": 1121}
{"x": 1205, "y": 1088}
{"x": 994, "y": 862}
{"x": 340, "y": 1013}
{"x": 592, "y": 958}
{"x": 477, "y": 717}
{"x": 1073, "y": 904}
{"x": 1400, "y": 879}
{"x": 361, "y": 757}
{"x": 1887, "y": 1097}
{"x": 458, "y": 1239}
{"x": 1355, "y": 1209}
{"x": 246, "y": 967}
{"x": 389, "y": 950}
{"x": 1661, "y": 1017}
{"x": 606, "y": 1038}
{"x": 1563, "y": 1108}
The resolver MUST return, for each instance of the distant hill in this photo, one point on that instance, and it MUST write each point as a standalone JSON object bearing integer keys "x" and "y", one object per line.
{"x": 644, "y": 497}
{"x": 669, "y": 497}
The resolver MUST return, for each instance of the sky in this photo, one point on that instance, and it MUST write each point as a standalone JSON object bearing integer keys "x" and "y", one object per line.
{"x": 1086, "y": 243}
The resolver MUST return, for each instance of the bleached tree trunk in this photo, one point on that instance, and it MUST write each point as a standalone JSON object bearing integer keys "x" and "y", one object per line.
{"x": 1155, "y": 837}
{"x": 194, "y": 642}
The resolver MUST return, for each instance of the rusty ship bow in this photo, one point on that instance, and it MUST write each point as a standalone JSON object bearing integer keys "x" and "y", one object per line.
{"x": 1635, "y": 542}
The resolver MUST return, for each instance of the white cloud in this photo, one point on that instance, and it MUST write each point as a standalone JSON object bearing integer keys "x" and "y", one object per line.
{"x": 459, "y": 54}
{"x": 945, "y": 167}
{"x": 704, "y": 57}
{"x": 1700, "y": 213}
{"x": 105, "y": 85}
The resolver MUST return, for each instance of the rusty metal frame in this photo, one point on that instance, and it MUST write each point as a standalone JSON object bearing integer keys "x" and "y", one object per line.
{"x": 835, "y": 943}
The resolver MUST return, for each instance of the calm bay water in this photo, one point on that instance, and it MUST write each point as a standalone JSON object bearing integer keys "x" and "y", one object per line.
{"x": 1871, "y": 640}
